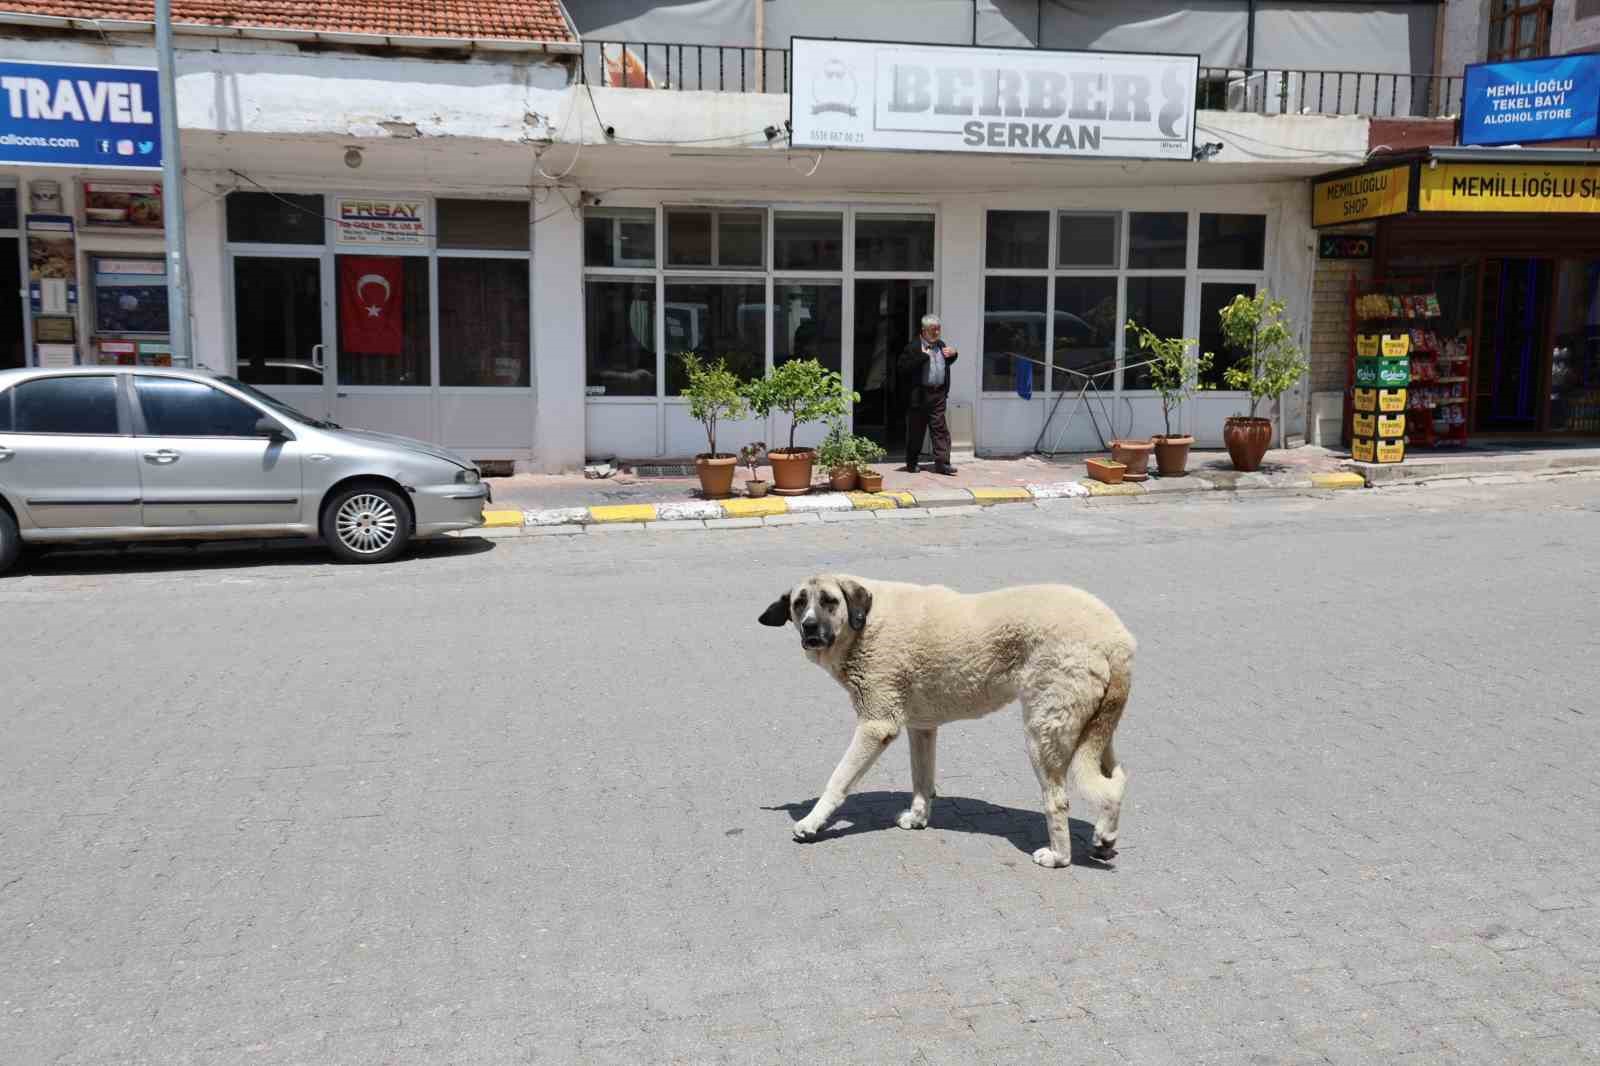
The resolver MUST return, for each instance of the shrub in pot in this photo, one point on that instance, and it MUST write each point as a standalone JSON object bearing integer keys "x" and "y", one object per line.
{"x": 1273, "y": 363}
{"x": 869, "y": 451}
{"x": 748, "y": 455}
{"x": 714, "y": 393}
{"x": 806, "y": 391}
{"x": 1176, "y": 365}
{"x": 837, "y": 455}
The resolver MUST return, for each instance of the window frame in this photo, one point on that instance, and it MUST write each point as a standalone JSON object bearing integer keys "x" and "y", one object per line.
{"x": 1193, "y": 277}
{"x": 141, "y": 422}
{"x": 1508, "y": 15}
{"x": 120, "y": 392}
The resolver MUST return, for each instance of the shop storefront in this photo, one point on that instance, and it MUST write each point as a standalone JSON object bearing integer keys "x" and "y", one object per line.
{"x": 1488, "y": 261}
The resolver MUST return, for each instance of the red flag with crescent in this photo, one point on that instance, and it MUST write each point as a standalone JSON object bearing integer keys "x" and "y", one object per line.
{"x": 370, "y": 305}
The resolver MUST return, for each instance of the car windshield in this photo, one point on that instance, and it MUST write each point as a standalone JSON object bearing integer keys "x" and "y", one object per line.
{"x": 276, "y": 404}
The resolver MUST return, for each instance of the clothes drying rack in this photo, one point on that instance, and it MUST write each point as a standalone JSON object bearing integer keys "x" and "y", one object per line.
{"x": 1089, "y": 379}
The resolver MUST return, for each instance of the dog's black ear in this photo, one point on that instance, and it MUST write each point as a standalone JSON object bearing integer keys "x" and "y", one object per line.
{"x": 778, "y": 613}
{"x": 859, "y": 601}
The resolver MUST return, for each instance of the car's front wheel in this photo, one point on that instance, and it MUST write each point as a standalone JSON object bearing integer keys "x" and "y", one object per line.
{"x": 366, "y": 524}
{"x": 10, "y": 540}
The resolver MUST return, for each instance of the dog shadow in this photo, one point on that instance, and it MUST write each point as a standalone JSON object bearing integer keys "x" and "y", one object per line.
{"x": 869, "y": 812}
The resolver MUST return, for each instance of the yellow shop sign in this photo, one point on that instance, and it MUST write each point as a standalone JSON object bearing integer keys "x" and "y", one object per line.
{"x": 1555, "y": 190}
{"x": 1361, "y": 196}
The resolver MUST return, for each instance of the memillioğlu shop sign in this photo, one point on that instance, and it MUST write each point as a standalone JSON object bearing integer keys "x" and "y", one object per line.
{"x": 1531, "y": 100}
{"x": 58, "y": 114}
{"x": 1497, "y": 187}
{"x": 941, "y": 98}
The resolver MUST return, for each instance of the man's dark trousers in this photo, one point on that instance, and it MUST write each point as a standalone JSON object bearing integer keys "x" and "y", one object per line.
{"x": 926, "y": 413}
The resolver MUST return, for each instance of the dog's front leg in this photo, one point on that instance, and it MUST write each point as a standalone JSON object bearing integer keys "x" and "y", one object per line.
{"x": 871, "y": 737}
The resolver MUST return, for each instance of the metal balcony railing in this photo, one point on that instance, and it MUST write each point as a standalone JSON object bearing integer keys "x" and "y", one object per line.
{"x": 737, "y": 69}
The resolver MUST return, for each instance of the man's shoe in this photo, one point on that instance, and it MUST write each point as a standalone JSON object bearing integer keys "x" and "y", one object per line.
{"x": 945, "y": 469}
{"x": 911, "y": 468}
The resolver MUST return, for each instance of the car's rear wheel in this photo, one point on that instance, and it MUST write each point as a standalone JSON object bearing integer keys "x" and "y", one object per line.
{"x": 10, "y": 541}
{"x": 366, "y": 524}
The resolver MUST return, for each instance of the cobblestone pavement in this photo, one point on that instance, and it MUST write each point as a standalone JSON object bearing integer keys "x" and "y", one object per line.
{"x": 530, "y": 802}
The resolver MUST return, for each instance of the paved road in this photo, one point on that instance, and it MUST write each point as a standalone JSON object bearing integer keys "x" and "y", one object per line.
{"x": 529, "y": 801}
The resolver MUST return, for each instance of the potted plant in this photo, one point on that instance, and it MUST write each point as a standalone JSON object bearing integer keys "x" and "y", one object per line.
{"x": 1175, "y": 370}
{"x": 868, "y": 451}
{"x": 1273, "y": 363}
{"x": 837, "y": 455}
{"x": 713, "y": 393}
{"x": 806, "y": 391}
{"x": 748, "y": 455}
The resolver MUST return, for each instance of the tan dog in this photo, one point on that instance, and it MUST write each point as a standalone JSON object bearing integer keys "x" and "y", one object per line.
{"x": 915, "y": 657}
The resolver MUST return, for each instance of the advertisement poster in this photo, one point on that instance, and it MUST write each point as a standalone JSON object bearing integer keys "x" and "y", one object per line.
{"x": 117, "y": 205}
{"x": 52, "y": 265}
{"x": 1531, "y": 100}
{"x": 65, "y": 115}
{"x": 130, "y": 295}
{"x": 941, "y": 98}
{"x": 57, "y": 355}
{"x": 115, "y": 353}
{"x": 381, "y": 221}
{"x": 44, "y": 197}
{"x": 371, "y": 305}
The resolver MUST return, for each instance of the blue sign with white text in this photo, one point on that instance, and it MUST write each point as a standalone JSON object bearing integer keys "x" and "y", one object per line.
{"x": 55, "y": 114}
{"x": 1531, "y": 100}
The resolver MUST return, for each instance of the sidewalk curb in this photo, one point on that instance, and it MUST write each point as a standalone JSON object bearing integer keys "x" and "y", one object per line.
{"x": 747, "y": 513}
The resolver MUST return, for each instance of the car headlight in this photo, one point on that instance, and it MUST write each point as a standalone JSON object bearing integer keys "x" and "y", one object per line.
{"x": 467, "y": 477}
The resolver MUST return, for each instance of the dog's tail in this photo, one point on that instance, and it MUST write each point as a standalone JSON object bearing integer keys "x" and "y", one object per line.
{"x": 1094, "y": 766}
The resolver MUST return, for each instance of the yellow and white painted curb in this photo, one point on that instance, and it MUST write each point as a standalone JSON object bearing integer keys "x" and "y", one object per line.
{"x": 830, "y": 506}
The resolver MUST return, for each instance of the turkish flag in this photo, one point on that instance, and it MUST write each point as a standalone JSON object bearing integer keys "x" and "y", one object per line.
{"x": 371, "y": 304}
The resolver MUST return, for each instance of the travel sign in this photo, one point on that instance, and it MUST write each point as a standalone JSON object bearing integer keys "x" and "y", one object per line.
{"x": 937, "y": 98}
{"x": 1532, "y": 100}
{"x": 60, "y": 115}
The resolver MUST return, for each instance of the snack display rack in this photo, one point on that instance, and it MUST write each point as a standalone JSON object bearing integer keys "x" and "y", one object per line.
{"x": 1391, "y": 318}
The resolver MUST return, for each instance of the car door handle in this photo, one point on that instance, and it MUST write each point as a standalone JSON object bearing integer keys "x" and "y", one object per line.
{"x": 162, "y": 457}
{"x": 6, "y": 453}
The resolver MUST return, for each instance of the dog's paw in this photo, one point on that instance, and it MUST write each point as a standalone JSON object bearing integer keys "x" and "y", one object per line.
{"x": 912, "y": 820}
{"x": 1050, "y": 859}
{"x": 1105, "y": 847}
{"x": 806, "y": 829}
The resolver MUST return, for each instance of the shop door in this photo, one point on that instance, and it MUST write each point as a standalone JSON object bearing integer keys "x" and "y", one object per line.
{"x": 279, "y": 320}
{"x": 13, "y": 353}
{"x": 1516, "y": 315}
{"x": 383, "y": 360}
{"x": 888, "y": 314}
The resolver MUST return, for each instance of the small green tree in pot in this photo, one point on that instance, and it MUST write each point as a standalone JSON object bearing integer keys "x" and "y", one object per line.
{"x": 748, "y": 456}
{"x": 1176, "y": 365}
{"x": 1273, "y": 362}
{"x": 714, "y": 394}
{"x": 868, "y": 451}
{"x": 837, "y": 455}
{"x": 806, "y": 391}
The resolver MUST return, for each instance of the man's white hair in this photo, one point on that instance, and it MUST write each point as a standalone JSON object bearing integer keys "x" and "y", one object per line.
{"x": 931, "y": 320}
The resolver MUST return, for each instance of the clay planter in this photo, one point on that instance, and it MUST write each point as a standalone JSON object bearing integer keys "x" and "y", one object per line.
{"x": 716, "y": 475}
{"x": 871, "y": 480}
{"x": 791, "y": 471}
{"x": 1247, "y": 440}
{"x": 843, "y": 479}
{"x": 1172, "y": 455}
{"x": 757, "y": 488}
{"x": 1107, "y": 470}
{"x": 1135, "y": 455}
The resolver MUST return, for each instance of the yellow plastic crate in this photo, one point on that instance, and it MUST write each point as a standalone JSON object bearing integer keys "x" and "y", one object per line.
{"x": 1391, "y": 426}
{"x": 1389, "y": 401}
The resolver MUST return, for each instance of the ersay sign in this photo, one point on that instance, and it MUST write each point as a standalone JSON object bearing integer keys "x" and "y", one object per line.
{"x": 52, "y": 114}
{"x": 936, "y": 98}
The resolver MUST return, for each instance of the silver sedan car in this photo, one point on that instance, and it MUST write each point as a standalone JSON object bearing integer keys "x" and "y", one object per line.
{"x": 125, "y": 454}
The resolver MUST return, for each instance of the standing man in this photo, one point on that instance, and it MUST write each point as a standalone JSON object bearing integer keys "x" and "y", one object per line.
{"x": 926, "y": 363}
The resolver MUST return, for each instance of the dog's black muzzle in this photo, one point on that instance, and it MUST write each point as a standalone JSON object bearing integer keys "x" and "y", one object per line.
{"x": 812, "y": 636}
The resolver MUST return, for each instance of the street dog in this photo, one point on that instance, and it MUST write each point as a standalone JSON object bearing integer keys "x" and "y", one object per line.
{"x": 916, "y": 657}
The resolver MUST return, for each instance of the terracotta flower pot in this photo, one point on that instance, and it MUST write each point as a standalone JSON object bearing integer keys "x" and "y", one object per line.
{"x": 1172, "y": 455}
{"x": 1135, "y": 455}
{"x": 716, "y": 474}
{"x": 843, "y": 479}
{"x": 1107, "y": 470}
{"x": 757, "y": 488}
{"x": 1247, "y": 440}
{"x": 791, "y": 471}
{"x": 871, "y": 480}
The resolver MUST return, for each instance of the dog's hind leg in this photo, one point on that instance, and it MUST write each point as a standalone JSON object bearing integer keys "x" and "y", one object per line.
{"x": 1050, "y": 766}
{"x": 1057, "y": 704}
{"x": 870, "y": 738}
{"x": 922, "y": 760}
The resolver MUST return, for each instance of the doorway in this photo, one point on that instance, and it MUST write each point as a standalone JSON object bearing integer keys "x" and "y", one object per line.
{"x": 888, "y": 314}
{"x": 13, "y": 345}
{"x": 1516, "y": 312}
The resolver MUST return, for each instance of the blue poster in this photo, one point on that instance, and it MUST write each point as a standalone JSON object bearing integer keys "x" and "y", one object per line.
{"x": 1531, "y": 100}
{"x": 56, "y": 114}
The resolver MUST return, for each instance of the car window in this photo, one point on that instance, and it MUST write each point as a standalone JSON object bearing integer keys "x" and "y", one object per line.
{"x": 76, "y": 404}
{"x": 174, "y": 407}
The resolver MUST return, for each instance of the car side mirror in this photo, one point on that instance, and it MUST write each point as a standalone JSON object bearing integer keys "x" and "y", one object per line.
{"x": 271, "y": 428}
